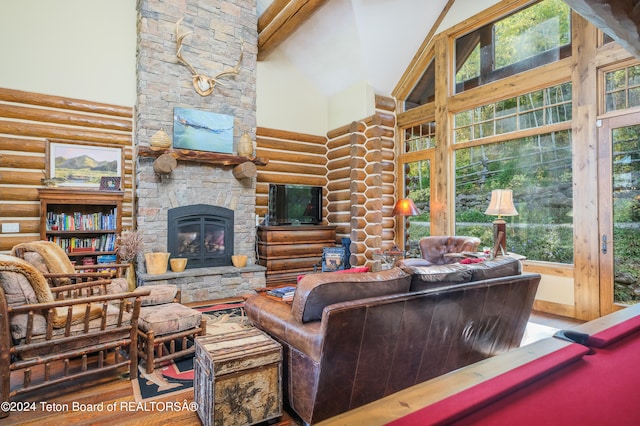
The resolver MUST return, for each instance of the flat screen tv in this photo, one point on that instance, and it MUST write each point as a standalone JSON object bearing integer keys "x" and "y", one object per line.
{"x": 295, "y": 204}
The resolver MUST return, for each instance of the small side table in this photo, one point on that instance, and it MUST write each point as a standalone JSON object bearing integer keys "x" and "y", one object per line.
{"x": 238, "y": 378}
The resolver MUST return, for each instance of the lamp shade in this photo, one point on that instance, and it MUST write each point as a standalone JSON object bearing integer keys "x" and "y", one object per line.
{"x": 501, "y": 203}
{"x": 405, "y": 207}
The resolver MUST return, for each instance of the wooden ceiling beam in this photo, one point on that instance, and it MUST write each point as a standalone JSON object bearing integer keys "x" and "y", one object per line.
{"x": 620, "y": 19}
{"x": 281, "y": 19}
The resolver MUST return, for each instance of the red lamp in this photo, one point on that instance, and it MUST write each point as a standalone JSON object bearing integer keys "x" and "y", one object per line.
{"x": 405, "y": 207}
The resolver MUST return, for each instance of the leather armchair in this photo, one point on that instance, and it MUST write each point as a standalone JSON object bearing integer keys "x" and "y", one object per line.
{"x": 434, "y": 248}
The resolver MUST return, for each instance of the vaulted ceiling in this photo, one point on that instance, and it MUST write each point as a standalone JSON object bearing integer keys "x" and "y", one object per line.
{"x": 337, "y": 43}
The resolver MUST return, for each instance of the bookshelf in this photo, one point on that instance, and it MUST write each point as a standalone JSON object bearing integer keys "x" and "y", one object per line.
{"x": 85, "y": 223}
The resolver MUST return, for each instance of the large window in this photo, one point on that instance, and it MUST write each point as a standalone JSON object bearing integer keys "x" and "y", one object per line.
{"x": 532, "y": 37}
{"x": 538, "y": 170}
{"x": 425, "y": 90}
{"x": 530, "y": 110}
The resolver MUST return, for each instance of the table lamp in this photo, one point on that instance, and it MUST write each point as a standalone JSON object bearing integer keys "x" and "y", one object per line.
{"x": 405, "y": 207}
{"x": 501, "y": 204}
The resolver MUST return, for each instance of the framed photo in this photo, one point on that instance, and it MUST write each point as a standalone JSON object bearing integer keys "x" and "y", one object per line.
{"x": 108, "y": 183}
{"x": 202, "y": 130}
{"x": 82, "y": 165}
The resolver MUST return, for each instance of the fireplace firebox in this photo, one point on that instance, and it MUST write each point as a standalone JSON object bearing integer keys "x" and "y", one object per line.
{"x": 202, "y": 233}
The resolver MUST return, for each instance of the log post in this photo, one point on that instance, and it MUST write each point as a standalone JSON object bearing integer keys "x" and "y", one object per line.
{"x": 164, "y": 164}
{"x": 245, "y": 170}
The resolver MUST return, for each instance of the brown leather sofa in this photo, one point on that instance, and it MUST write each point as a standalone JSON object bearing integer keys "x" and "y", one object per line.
{"x": 350, "y": 339}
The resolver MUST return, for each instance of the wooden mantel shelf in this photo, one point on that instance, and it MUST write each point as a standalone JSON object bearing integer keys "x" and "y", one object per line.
{"x": 201, "y": 156}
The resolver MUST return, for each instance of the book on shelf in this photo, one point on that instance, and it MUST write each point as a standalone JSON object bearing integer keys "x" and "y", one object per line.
{"x": 285, "y": 293}
{"x": 81, "y": 222}
{"x": 90, "y": 244}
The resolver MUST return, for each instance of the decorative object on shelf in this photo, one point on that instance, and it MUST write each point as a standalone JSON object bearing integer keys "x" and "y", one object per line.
{"x": 160, "y": 139}
{"x": 202, "y": 130}
{"x": 333, "y": 259}
{"x": 501, "y": 204}
{"x": 156, "y": 262}
{"x": 129, "y": 245}
{"x": 202, "y": 84}
{"x": 245, "y": 146}
{"x": 108, "y": 183}
{"x": 239, "y": 260}
{"x": 82, "y": 165}
{"x": 403, "y": 208}
{"x": 178, "y": 264}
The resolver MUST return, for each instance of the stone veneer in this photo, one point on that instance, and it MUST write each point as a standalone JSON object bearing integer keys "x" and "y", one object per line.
{"x": 210, "y": 283}
{"x": 221, "y": 30}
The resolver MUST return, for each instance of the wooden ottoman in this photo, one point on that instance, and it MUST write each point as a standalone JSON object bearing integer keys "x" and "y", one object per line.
{"x": 238, "y": 378}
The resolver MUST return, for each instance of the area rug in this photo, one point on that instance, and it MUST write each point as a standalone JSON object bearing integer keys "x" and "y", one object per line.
{"x": 173, "y": 378}
{"x": 177, "y": 377}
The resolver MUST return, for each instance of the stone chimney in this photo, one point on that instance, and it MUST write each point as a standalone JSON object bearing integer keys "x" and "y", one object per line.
{"x": 220, "y": 33}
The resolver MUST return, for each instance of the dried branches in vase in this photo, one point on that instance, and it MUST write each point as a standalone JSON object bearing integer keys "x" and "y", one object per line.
{"x": 129, "y": 245}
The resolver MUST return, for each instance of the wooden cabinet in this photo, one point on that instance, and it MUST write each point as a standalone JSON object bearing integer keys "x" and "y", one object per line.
{"x": 288, "y": 251}
{"x": 83, "y": 222}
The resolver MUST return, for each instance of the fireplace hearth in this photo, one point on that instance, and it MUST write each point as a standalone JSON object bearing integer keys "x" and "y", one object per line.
{"x": 201, "y": 233}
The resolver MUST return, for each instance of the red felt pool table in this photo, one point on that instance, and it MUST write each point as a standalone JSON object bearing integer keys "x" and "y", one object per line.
{"x": 550, "y": 382}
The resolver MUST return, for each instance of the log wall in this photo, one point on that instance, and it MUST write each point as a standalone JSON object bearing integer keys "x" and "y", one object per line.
{"x": 27, "y": 122}
{"x": 361, "y": 164}
{"x": 356, "y": 166}
{"x": 294, "y": 158}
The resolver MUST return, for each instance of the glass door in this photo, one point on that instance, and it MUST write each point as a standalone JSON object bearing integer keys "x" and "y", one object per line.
{"x": 415, "y": 177}
{"x": 619, "y": 211}
{"x": 418, "y": 188}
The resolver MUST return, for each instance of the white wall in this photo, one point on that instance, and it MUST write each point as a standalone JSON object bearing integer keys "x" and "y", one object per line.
{"x": 353, "y": 103}
{"x": 74, "y": 48}
{"x": 556, "y": 289}
{"x": 286, "y": 100}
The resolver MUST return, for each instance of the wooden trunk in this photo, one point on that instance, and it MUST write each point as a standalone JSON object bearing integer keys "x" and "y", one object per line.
{"x": 238, "y": 378}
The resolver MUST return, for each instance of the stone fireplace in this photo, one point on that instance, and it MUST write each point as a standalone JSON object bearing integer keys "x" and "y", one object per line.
{"x": 201, "y": 233}
{"x": 221, "y": 33}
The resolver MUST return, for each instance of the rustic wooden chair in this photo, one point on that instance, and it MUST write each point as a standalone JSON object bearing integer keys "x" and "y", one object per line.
{"x": 53, "y": 341}
{"x": 166, "y": 328}
{"x": 53, "y": 262}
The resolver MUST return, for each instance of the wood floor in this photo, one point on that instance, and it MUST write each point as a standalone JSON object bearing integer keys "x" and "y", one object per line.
{"x": 55, "y": 405}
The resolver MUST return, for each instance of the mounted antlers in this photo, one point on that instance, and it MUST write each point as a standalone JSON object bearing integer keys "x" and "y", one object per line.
{"x": 201, "y": 83}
